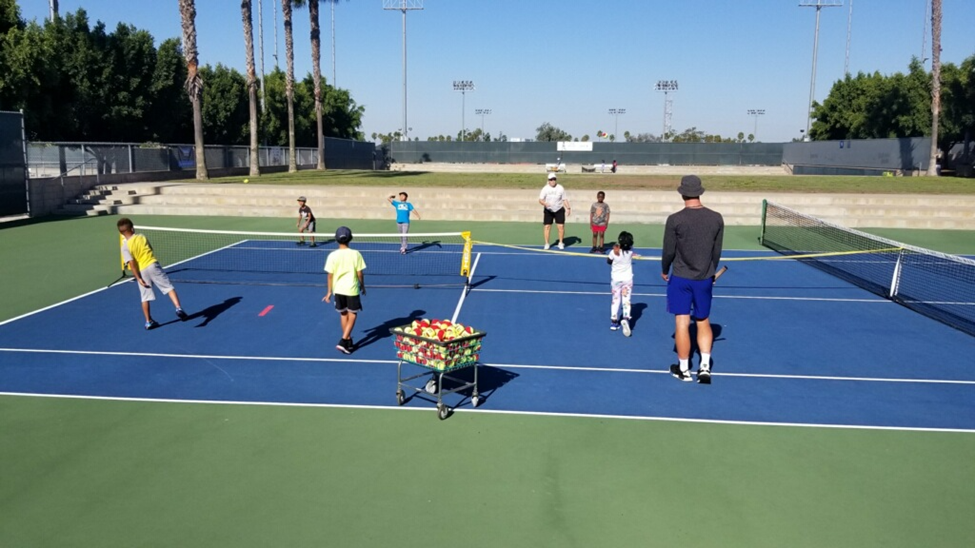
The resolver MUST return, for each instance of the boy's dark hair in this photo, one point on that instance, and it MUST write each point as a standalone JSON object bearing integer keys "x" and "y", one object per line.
{"x": 625, "y": 240}
{"x": 600, "y": 193}
{"x": 403, "y": 194}
{"x": 124, "y": 224}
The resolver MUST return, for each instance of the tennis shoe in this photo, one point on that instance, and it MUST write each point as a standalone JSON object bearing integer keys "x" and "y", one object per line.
{"x": 344, "y": 346}
{"x": 547, "y": 247}
{"x": 561, "y": 245}
{"x": 183, "y": 316}
{"x": 151, "y": 324}
{"x": 704, "y": 375}
{"x": 302, "y": 242}
{"x": 626, "y": 328}
{"x": 684, "y": 376}
{"x": 313, "y": 244}
{"x": 614, "y": 325}
{"x": 593, "y": 250}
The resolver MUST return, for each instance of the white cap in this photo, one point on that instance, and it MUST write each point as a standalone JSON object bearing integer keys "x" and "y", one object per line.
{"x": 551, "y": 176}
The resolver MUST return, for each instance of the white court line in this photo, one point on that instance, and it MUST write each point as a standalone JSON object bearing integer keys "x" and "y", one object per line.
{"x": 466, "y": 290}
{"x": 498, "y": 412}
{"x": 876, "y": 300}
{"x": 498, "y": 365}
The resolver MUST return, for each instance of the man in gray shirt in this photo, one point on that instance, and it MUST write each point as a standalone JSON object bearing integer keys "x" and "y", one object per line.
{"x": 692, "y": 246}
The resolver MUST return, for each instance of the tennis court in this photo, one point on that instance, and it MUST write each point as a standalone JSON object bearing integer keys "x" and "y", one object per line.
{"x": 794, "y": 346}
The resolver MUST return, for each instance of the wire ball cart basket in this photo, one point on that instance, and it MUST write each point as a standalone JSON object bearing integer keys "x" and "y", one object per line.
{"x": 439, "y": 347}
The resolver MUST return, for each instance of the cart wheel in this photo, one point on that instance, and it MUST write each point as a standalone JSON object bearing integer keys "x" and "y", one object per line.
{"x": 475, "y": 400}
{"x": 399, "y": 397}
{"x": 442, "y": 411}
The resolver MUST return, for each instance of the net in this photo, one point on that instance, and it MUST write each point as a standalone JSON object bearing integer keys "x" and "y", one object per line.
{"x": 938, "y": 285}
{"x": 273, "y": 258}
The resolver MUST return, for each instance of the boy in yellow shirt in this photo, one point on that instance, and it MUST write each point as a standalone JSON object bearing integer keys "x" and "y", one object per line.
{"x": 347, "y": 282}
{"x": 137, "y": 253}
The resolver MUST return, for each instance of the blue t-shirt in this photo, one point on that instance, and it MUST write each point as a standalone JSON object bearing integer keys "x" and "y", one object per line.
{"x": 403, "y": 210}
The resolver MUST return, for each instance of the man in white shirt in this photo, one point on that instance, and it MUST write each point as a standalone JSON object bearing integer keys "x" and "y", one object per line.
{"x": 556, "y": 206}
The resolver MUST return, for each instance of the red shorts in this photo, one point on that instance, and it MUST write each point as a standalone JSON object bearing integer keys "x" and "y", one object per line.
{"x": 597, "y": 229}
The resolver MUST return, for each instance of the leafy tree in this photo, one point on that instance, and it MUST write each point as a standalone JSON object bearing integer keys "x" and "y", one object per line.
{"x": 548, "y": 132}
{"x": 170, "y": 113}
{"x": 226, "y": 116}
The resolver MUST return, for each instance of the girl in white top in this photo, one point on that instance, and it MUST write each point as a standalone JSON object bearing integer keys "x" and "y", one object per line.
{"x": 621, "y": 279}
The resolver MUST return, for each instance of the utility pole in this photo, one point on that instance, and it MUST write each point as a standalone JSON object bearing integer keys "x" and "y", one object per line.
{"x": 482, "y": 112}
{"x": 463, "y": 86}
{"x": 615, "y": 112}
{"x": 849, "y": 34}
{"x": 819, "y": 5}
{"x": 667, "y": 86}
{"x": 260, "y": 39}
{"x": 403, "y": 6}
{"x": 756, "y": 113}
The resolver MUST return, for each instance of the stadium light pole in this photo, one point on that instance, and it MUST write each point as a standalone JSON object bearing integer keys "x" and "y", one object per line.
{"x": 849, "y": 35}
{"x": 667, "y": 86}
{"x": 819, "y": 5}
{"x": 463, "y": 86}
{"x": 404, "y": 6}
{"x": 615, "y": 112}
{"x": 756, "y": 113}
{"x": 482, "y": 112}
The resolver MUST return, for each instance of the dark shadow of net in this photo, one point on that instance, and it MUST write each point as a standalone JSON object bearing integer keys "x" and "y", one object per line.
{"x": 481, "y": 281}
{"x": 210, "y": 313}
{"x": 381, "y": 331}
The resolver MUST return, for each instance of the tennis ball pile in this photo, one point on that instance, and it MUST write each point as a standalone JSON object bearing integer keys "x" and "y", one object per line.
{"x": 437, "y": 344}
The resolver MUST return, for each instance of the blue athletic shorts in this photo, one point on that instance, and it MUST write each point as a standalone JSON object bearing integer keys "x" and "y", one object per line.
{"x": 684, "y": 294}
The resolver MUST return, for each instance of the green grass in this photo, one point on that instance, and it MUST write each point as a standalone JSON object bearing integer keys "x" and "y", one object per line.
{"x": 724, "y": 183}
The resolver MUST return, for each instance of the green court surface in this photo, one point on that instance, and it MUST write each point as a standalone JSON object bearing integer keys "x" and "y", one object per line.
{"x": 82, "y": 472}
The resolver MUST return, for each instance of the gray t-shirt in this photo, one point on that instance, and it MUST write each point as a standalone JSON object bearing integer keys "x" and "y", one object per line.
{"x": 599, "y": 211}
{"x": 692, "y": 243}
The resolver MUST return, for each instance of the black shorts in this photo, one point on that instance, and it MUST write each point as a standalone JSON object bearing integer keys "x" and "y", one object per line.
{"x": 557, "y": 216}
{"x": 348, "y": 303}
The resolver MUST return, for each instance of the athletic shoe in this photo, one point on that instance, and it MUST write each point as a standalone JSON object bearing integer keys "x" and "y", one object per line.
{"x": 183, "y": 316}
{"x": 614, "y": 325}
{"x": 402, "y": 252}
{"x": 313, "y": 244}
{"x": 704, "y": 375}
{"x": 300, "y": 243}
{"x": 151, "y": 324}
{"x": 431, "y": 386}
{"x": 626, "y": 328}
{"x": 344, "y": 346}
{"x": 561, "y": 245}
{"x": 593, "y": 250}
{"x": 547, "y": 247}
{"x": 680, "y": 375}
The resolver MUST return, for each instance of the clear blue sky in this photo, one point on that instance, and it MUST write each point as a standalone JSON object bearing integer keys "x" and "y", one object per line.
{"x": 567, "y": 62}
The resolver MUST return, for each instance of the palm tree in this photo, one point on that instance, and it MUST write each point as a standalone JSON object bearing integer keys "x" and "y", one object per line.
{"x": 194, "y": 84}
{"x": 245, "y": 14}
{"x": 935, "y": 84}
{"x": 289, "y": 82}
{"x": 316, "y": 64}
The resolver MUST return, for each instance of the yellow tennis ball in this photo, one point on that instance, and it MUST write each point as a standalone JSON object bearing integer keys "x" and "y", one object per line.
{"x": 246, "y": 181}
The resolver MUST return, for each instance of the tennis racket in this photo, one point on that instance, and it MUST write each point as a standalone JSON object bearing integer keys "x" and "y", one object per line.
{"x": 719, "y": 273}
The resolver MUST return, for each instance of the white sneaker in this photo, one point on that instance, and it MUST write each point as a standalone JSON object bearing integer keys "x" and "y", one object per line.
{"x": 561, "y": 245}
{"x": 626, "y": 328}
{"x": 546, "y": 247}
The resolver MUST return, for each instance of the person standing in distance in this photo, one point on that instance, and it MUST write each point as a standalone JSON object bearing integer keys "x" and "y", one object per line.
{"x": 347, "y": 282}
{"x": 692, "y": 246}
{"x": 556, "y": 206}
{"x": 403, "y": 210}
{"x": 306, "y": 222}
{"x": 137, "y": 254}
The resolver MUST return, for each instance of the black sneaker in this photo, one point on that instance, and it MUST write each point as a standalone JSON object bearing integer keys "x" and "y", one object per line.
{"x": 183, "y": 316}
{"x": 680, "y": 375}
{"x": 344, "y": 346}
{"x": 704, "y": 375}
{"x": 300, "y": 243}
{"x": 151, "y": 324}
{"x": 313, "y": 244}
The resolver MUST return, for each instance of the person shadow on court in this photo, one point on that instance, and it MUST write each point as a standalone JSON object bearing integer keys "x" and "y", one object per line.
{"x": 211, "y": 312}
{"x": 381, "y": 331}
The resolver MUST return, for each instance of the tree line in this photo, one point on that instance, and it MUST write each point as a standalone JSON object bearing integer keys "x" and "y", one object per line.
{"x": 81, "y": 82}
{"x": 876, "y": 106}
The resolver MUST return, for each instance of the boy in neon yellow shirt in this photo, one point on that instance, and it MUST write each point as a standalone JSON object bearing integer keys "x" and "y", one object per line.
{"x": 347, "y": 282}
{"x": 137, "y": 253}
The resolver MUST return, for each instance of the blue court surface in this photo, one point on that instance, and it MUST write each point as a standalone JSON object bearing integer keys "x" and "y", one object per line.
{"x": 793, "y": 346}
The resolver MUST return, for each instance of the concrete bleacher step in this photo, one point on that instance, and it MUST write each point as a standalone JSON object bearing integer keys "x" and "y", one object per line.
{"x": 512, "y": 205}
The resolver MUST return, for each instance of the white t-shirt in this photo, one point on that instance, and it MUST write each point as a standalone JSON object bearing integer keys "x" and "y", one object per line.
{"x": 622, "y": 266}
{"x": 553, "y": 196}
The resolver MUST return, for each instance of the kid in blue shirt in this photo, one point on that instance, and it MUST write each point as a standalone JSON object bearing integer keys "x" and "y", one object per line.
{"x": 403, "y": 210}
